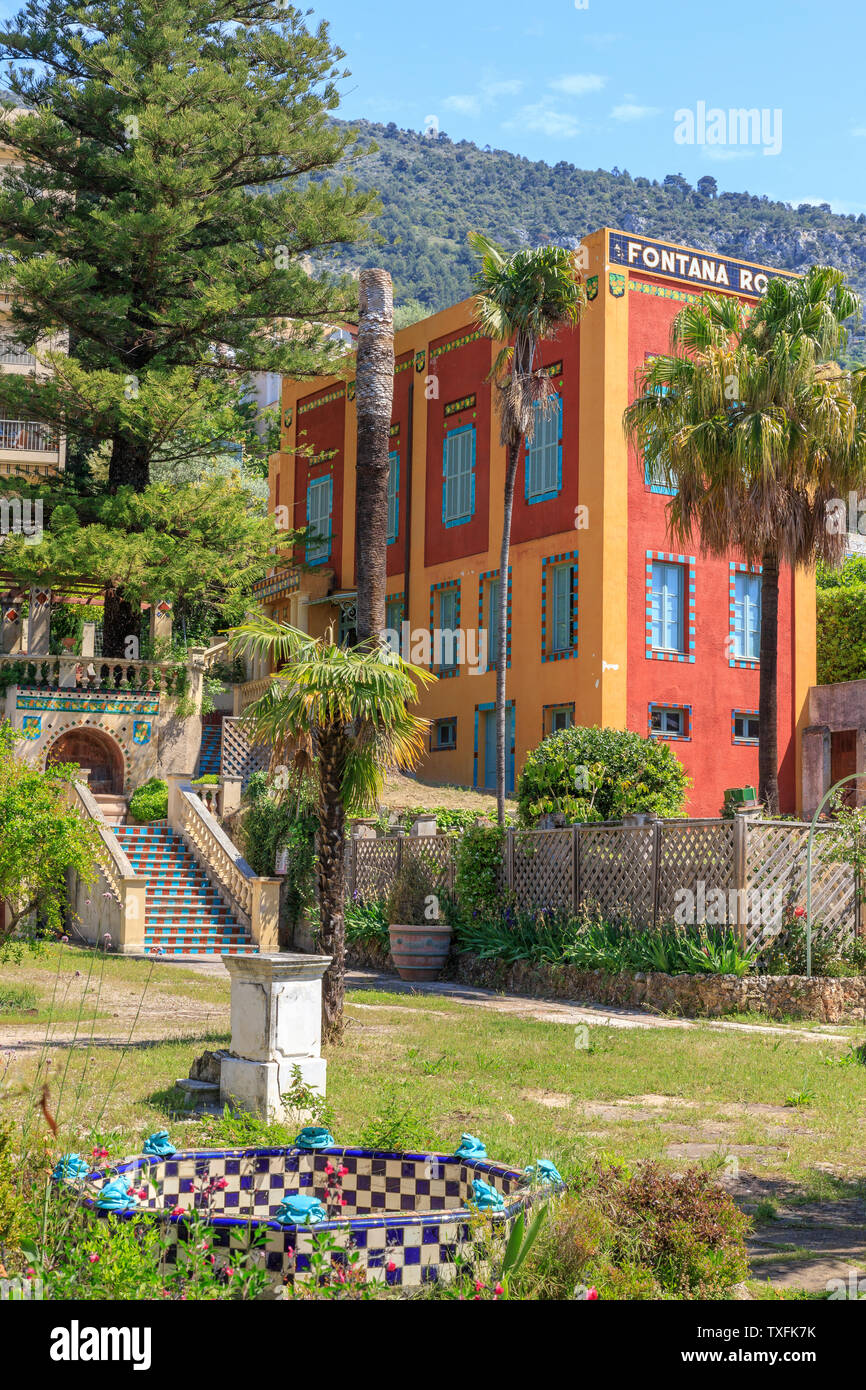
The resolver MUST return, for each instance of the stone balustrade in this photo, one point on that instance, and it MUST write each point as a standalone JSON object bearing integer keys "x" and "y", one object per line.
{"x": 255, "y": 901}
{"x": 115, "y": 904}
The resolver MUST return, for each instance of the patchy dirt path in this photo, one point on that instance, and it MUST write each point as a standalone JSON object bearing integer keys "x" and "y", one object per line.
{"x": 571, "y": 1012}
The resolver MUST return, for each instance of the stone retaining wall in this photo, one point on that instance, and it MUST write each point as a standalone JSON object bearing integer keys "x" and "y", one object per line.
{"x": 691, "y": 996}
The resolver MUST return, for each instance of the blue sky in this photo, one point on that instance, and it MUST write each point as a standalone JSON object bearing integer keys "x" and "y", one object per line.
{"x": 600, "y": 86}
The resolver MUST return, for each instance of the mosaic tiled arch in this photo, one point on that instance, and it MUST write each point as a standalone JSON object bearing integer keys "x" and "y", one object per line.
{"x": 98, "y": 726}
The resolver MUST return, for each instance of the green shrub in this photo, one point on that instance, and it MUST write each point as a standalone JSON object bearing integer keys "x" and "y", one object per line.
{"x": 478, "y": 880}
{"x": 277, "y": 819}
{"x": 209, "y": 779}
{"x": 647, "y": 1234}
{"x": 841, "y": 633}
{"x": 600, "y": 774}
{"x": 786, "y": 955}
{"x": 366, "y": 923}
{"x": 149, "y": 801}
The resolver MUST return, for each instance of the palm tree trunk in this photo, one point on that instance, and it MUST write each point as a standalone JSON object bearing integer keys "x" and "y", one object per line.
{"x": 374, "y": 394}
{"x": 768, "y": 704}
{"x": 502, "y": 622}
{"x": 331, "y": 939}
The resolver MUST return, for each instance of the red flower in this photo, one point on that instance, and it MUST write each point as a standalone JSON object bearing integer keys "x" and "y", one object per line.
{"x": 498, "y": 1290}
{"x": 390, "y": 1266}
{"x": 177, "y": 1211}
{"x": 93, "y": 1259}
{"x": 329, "y": 1168}
{"x": 221, "y": 1185}
{"x": 342, "y": 1172}
{"x": 142, "y": 1192}
{"x": 478, "y": 1286}
{"x": 799, "y": 912}
{"x": 592, "y": 1293}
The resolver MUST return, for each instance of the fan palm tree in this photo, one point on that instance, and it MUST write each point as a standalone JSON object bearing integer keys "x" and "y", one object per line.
{"x": 523, "y": 300}
{"x": 757, "y": 433}
{"x": 340, "y": 714}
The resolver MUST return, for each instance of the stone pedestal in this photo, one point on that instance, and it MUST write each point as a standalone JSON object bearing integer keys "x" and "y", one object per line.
{"x": 276, "y": 1020}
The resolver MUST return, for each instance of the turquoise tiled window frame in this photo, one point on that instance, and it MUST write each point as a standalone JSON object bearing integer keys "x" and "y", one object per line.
{"x": 740, "y": 662}
{"x": 666, "y": 737}
{"x": 400, "y": 598}
{"x": 443, "y": 672}
{"x": 548, "y": 710}
{"x": 687, "y": 561}
{"x": 746, "y": 714}
{"x": 436, "y": 747}
{"x": 509, "y": 753}
{"x": 527, "y": 453}
{"x": 321, "y": 559}
{"x": 458, "y": 520}
{"x": 548, "y": 563}
{"x": 482, "y": 581}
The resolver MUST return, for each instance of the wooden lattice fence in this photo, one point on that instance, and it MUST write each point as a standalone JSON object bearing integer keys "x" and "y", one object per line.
{"x": 746, "y": 872}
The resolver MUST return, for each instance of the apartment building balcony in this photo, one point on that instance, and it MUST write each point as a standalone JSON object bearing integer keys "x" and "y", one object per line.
{"x": 30, "y": 446}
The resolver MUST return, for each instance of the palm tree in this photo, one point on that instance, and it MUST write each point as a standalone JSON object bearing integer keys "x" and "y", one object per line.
{"x": 374, "y": 394}
{"x": 523, "y": 300}
{"x": 757, "y": 433}
{"x": 340, "y": 714}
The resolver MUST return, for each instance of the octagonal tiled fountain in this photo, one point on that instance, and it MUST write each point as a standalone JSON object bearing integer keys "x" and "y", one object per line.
{"x": 410, "y": 1216}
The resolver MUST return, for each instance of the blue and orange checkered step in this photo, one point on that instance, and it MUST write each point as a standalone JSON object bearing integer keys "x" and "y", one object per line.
{"x": 184, "y": 913}
{"x": 210, "y": 750}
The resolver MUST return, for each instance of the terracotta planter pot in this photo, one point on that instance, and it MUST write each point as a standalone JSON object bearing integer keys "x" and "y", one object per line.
{"x": 420, "y": 953}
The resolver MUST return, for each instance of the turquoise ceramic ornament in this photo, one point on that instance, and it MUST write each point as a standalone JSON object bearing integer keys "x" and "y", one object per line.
{"x": 314, "y": 1137}
{"x": 296, "y": 1210}
{"x": 115, "y": 1196}
{"x": 485, "y": 1197}
{"x": 543, "y": 1171}
{"x": 470, "y": 1147}
{"x": 71, "y": 1168}
{"x": 159, "y": 1145}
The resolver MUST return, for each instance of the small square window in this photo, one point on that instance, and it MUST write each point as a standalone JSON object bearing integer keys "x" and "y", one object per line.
{"x": 669, "y": 721}
{"x": 560, "y": 719}
{"x": 444, "y": 734}
{"x": 745, "y": 726}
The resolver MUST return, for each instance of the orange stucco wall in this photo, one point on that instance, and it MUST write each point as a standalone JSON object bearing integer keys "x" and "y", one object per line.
{"x": 604, "y": 513}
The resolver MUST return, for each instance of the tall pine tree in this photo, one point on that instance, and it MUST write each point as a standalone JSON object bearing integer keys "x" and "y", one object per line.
{"x": 168, "y": 192}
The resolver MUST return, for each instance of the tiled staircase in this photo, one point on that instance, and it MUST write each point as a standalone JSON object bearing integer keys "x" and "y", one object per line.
{"x": 210, "y": 750}
{"x": 184, "y": 913}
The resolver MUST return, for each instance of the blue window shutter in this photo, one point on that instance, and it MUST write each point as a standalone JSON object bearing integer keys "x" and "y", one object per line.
{"x": 319, "y": 494}
{"x": 544, "y": 452}
{"x": 493, "y": 622}
{"x": 561, "y": 608}
{"x": 458, "y": 469}
{"x": 448, "y": 610}
{"x": 393, "y": 495}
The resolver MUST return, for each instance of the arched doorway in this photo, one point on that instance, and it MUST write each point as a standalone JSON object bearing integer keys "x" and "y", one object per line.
{"x": 98, "y": 756}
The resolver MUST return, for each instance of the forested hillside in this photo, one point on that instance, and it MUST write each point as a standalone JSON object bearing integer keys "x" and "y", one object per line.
{"x": 433, "y": 191}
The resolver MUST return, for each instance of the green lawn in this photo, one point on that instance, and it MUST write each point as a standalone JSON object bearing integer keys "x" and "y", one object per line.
{"x": 417, "y": 1071}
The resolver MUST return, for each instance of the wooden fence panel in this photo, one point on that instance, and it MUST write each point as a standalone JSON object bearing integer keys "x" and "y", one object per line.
{"x": 693, "y": 852}
{"x": 616, "y": 871}
{"x": 542, "y": 869}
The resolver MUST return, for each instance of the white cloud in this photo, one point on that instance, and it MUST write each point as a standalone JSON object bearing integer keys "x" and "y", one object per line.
{"x": 465, "y": 105}
{"x": 632, "y": 112}
{"x": 506, "y": 87}
{"x": 859, "y": 131}
{"x": 577, "y": 84}
{"x": 545, "y": 119}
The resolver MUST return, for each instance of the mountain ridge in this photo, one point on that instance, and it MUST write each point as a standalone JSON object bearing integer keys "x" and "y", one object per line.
{"x": 435, "y": 190}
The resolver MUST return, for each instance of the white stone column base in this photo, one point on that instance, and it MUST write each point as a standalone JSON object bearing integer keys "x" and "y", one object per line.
{"x": 258, "y": 1086}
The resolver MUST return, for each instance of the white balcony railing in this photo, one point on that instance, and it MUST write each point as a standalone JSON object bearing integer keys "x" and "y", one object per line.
{"x": 30, "y": 436}
{"x": 13, "y": 356}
